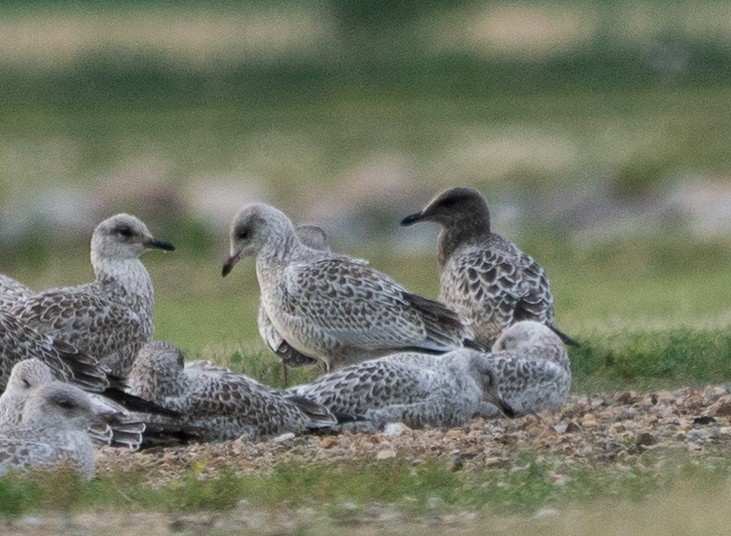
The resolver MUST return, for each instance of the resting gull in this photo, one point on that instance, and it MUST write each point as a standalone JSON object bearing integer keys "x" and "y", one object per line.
{"x": 532, "y": 368}
{"x": 216, "y": 403}
{"x": 113, "y": 426}
{"x": 417, "y": 389}
{"x": 111, "y": 318}
{"x": 12, "y": 292}
{"x": 52, "y": 432}
{"x": 485, "y": 277}
{"x": 331, "y": 307}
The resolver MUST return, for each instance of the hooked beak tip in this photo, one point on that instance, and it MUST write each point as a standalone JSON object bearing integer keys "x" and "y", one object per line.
{"x": 229, "y": 265}
{"x": 411, "y": 219}
{"x": 164, "y": 245}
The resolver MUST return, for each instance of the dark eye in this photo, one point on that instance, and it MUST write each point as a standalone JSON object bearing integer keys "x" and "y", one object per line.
{"x": 242, "y": 234}
{"x": 26, "y": 384}
{"x": 449, "y": 202}
{"x": 66, "y": 404}
{"x": 124, "y": 231}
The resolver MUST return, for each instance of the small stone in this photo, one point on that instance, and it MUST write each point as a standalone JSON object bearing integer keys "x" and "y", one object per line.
{"x": 645, "y": 439}
{"x": 496, "y": 461}
{"x": 394, "y": 429}
{"x": 282, "y": 438}
{"x": 385, "y": 454}
{"x": 589, "y": 421}
{"x": 720, "y": 408}
{"x": 328, "y": 442}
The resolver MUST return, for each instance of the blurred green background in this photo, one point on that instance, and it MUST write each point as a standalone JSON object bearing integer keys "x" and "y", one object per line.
{"x": 599, "y": 133}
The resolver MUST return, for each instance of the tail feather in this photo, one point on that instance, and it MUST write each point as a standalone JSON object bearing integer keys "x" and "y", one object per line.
{"x": 138, "y": 404}
{"x": 319, "y": 415}
{"x": 85, "y": 371}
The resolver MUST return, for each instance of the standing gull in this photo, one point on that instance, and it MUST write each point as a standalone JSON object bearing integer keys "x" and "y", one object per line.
{"x": 111, "y": 318}
{"x": 216, "y": 403}
{"x": 331, "y": 307}
{"x": 52, "y": 432}
{"x": 532, "y": 368}
{"x": 485, "y": 277}
{"x": 315, "y": 238}
{"x": 113, "y": 425}
{"x": 417, "y": 389}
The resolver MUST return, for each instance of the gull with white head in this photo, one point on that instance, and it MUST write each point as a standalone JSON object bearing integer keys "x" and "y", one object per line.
{"x": 113, "y": 424}
{"x": 52, "y": 433}
{"x": 110, "y": 318}
{"x": 330, "y": 307}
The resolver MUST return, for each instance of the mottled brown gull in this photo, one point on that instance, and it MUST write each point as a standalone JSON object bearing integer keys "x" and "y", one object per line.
{"x": 485, "y": 277}
{"x": 216, "y": 403}
{"x": 111, "y": 318}
{"x": 532, "y": 368}
{"x": 113, "y": 425}
{"x": 12, "y": 292}
{"x": 19, "y": 341}
{"x": 417, "y": 389}
{"x": 52, "y": 432}
{"x": 331, "y": 307}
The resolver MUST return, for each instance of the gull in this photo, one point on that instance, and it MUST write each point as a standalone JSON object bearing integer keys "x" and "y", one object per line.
{"x": 215, "y": 403}
{"x": 420, "y": 390}
{"x": 485, "y": 277}
{"x": 113, "y": 425}
{"x": 12, "y": 292}
{"x": 330, "y": 307}
{"x": 52, "y": 432}
{"x": 532, "y": 369}
{"x": 110, "y": 318}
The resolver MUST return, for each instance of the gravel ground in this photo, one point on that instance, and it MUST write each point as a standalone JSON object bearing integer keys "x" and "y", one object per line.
{"x": 594, "y": 430}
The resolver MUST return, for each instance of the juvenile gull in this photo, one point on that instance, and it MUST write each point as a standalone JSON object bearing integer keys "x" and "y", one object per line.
{"x": 485, "y": 277}
{"x": 113, "y": 425}
{"x": 417, "y": 389}
{"x": 52, "y": 432}
{"x": 12, "y": 292}
{"x": 216, "y": 403}
{"x": 315, "y": 238}
{"x": 111, "y": 318}
{"x": 532, "y": 368}
{"x": 331, "y": 307}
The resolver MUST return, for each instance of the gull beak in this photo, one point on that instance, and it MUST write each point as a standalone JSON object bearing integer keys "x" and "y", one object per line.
{"x": 154, "y": 243}
{"x": 505, "y": 408}
{"x": 412, "y": 218}
{"x": 230, "y": 263}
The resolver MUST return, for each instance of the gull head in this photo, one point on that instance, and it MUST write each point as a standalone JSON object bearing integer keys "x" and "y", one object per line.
{"x": 482, "y": 370}
{"x": 158, "y": 371}
{"x": 29, "y": 374}
{"x": 524, "y": 334}
{"x": 124, "y": 237}
{"x": 452, "y": 207}
{"x": 59, "y": 403}
{"x": 254, "y": 228}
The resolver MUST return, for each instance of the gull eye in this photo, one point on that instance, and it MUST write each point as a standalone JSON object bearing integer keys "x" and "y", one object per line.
{"x": 26, "y": 383}
{"x": 243, "y": 234}
{"x": 124, "y": 230}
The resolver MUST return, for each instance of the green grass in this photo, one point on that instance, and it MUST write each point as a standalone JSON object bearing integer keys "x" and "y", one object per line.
{"x": 344, "y": 490}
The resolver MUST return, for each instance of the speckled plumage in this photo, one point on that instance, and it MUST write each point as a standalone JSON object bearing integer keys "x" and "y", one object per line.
{"x": 331, "y": 307}
{"x": 52, "y": 432}
{"x": 12, "y": 292}
{"x": 419, "y": 390}
{"x": 19, "y": 341}
{"x": 532, "y": 368}
{"x": 111, "y": 318}
{"x": 113, "y": 425}
{"x": 217, "y": 403}
{"x": 484, "y": 277}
